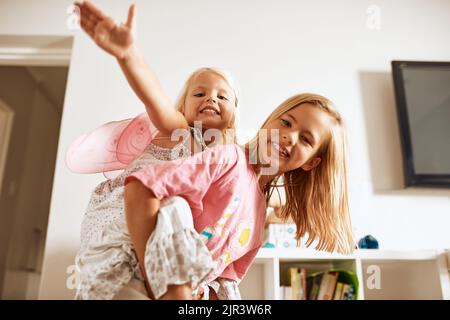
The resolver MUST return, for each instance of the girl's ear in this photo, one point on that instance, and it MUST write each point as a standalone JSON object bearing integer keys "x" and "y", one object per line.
{"x": 311, "y": 164}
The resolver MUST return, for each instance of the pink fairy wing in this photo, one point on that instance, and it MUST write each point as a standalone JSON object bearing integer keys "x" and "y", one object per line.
{"x": 111, "y": 147}
{"x": 135, "y": 138}
{"x": 96, "y": 151}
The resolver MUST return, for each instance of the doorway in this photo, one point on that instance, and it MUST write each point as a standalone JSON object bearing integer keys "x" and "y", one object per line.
{"x": 33, "y": 78}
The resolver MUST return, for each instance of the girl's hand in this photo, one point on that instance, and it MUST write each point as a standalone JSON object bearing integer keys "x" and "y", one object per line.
{"x": 116, "y": 39}
{"x": 199, "y": 294}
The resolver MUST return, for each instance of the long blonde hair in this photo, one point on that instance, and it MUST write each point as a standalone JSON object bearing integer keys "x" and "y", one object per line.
{"x": 179, "y": 105}
{"x": 317, "y": 200}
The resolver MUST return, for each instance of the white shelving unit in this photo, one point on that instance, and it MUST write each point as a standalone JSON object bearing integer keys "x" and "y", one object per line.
{"x": 401, "y": 274}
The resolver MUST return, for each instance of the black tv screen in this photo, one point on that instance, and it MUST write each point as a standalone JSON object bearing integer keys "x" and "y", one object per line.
{"x": 422, "y": 92}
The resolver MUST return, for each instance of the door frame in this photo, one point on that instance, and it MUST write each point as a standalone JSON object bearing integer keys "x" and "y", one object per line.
{"x": 6, "y": 124}
{"x": 29, "y": 50}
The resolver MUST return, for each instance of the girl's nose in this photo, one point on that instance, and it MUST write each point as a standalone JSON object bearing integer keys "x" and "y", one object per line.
{"x": 212, "y": 99}
{"x": 290, "y": 137}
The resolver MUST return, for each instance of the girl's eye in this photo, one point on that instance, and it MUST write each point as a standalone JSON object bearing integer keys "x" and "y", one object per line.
{"x": 305, "y": 140}
{"x": 223, "y": 98}
{"x": 285, "y": 123}
{"x": 199, "y": 95}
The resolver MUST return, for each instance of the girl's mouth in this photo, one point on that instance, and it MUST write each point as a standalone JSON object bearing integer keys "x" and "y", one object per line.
{"x": 210, "y": 110}
{"x": 282, "y": 151}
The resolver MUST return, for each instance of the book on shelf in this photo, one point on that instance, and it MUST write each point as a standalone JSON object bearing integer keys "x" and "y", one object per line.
{"x": 315, "y": 286}
{"x": 327, "y": 286}
{"x": 303, "y": 274}
{"x": 348, "y": 292}
{"x": 324, "y": 285}
{"x": 293, "y": 281}
{"x": 338, "y": 291}
{"x": 297, "y": 278}
{"x": 285, "y": 292}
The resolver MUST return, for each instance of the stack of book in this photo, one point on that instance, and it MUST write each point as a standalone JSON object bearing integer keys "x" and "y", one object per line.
{"x": 329, "y": 285}
{"x": 297, "y": 288}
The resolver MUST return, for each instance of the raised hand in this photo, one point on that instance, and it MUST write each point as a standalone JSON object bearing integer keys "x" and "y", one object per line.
{"x": 116, "y": 39}
{"x": 119, "y": 40}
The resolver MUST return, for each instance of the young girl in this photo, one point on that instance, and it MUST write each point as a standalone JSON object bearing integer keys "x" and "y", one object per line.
{"x": 106, "y": 260}
{"x": 227, "y": 192}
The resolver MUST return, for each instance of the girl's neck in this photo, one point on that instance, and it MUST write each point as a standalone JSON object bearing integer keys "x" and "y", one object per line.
{"x": 263, "y": 179}
{"x": 213, "y": 141}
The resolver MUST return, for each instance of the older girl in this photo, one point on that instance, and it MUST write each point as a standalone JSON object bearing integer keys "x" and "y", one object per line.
{"x": 227, "y": 188}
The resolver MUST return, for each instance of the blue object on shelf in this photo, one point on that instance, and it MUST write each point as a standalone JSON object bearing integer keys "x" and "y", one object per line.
{"x": 291, "y": 230}
{"x": 368, "y": 242}
{"x": 268, "y": 245}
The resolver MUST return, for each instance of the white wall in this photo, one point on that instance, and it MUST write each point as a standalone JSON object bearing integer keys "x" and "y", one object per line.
{"x": 274, "y": 49}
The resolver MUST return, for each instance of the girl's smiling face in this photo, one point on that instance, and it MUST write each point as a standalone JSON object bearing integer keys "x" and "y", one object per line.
{"x": 211, "y": 100}
{"x": 301, "y": 132}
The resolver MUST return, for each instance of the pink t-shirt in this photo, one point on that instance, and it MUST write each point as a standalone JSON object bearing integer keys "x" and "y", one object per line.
{"x": 227, "y": 204}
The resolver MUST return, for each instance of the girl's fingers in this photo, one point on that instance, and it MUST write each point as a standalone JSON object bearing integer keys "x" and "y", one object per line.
{"x": 88, "y": 23}
{"x": 79, "y": 10}
{"x": 88, "y": 30}
{"x": 94, "y": 10}
{"x": 86, "y": 26}
{"x": 86, "y": 13}
{"x": 130, "y": 20}
{"x": 78, "y": 7}
{"x": 93, "y": 18}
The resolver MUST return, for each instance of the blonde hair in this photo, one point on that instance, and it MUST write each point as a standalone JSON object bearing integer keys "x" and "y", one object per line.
{"x": 317, "y": 200}
{"x": 179, "y": 105}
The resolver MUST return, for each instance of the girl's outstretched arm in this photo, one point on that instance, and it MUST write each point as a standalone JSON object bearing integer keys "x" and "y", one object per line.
{"x": 147, "y": 87}
{"x": 119, "y": 41}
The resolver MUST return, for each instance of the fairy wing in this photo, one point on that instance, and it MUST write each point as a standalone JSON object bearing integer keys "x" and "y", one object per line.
{"x": 111, "y": 147}
{"x": 135, "y": 138}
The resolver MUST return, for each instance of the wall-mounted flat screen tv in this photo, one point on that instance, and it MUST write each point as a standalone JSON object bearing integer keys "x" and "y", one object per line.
{"x": 422, "y": 92}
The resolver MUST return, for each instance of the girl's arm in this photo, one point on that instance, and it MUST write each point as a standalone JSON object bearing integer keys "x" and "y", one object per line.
{"x": 147, "y": 87}
{"x": 119, "y": 41}
{"x": 141, "y": 208}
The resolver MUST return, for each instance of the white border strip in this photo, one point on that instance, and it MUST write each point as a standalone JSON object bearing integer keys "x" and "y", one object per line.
{"x": 33, "y": 56}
